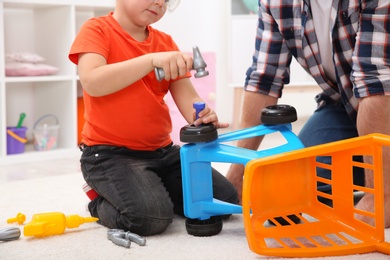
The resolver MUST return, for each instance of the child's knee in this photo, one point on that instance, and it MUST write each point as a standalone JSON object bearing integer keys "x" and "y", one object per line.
{"x": 148, "y": 222}
{"x": 143, "y": 219}
{"x": 147, "y": 226}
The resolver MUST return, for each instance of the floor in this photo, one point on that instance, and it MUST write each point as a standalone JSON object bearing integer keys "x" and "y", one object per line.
{"x": 24, "y": 171}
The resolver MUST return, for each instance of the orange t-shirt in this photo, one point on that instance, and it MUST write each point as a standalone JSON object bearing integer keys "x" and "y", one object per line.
{"x": 136, "y": 116}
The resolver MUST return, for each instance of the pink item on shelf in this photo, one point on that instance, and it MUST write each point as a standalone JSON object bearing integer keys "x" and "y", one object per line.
{"x": 29, "y": 69}
{"x": 25, "y": 57}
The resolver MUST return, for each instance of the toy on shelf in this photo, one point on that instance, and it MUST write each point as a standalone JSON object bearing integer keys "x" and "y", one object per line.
{"x": 198, "y": 64}
{"x": 45, "y": 133}
{"x": 286, "y": 184}
{"x": 205, "y": 146}
{"x": 16, "y": 136}
{"x": 124, "y": 238}
{"x": 9, "y": 234}
{"x": 53, "y": 223}
{"x": 21, "y": 119}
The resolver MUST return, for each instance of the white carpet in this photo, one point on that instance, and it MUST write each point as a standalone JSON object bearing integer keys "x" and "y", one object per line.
{"x": 63, "y": 193}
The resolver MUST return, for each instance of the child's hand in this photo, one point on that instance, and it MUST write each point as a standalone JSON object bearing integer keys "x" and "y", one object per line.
{"x": 208, "y": 115}
{"x": 175, "y": 64}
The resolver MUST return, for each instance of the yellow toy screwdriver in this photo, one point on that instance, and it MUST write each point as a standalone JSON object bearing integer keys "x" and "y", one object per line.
{"x": 53, "y": 223}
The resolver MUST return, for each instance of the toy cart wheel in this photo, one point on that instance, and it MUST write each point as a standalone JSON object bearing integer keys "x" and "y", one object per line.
{"x": 278, "y": 114}
{"x": 204, "y": 228}
{"x": 198, "y": 134}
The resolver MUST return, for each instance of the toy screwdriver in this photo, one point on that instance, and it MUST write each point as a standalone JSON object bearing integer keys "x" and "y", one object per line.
{"x": 53, "y": 223}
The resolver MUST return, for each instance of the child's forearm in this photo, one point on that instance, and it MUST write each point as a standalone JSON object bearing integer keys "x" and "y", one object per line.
{"x": 184, "y": 95}
{"x": 100, "y": 79}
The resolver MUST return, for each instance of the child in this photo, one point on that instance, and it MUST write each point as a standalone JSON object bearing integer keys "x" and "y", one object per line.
{"x": 127, "y": 154}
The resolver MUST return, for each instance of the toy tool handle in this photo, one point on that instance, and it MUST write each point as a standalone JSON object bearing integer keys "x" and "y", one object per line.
{"x": 10, "y": 233}
{"x": 199, "y": 106}
{"x": 21, "y": 118}
{"x": 160, "y": 74}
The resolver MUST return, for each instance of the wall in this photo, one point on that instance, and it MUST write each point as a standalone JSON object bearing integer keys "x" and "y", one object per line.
{"x": 204, "y": 23}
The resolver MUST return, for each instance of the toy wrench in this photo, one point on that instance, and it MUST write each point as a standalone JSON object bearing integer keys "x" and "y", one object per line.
{"x": 123, "y": 238}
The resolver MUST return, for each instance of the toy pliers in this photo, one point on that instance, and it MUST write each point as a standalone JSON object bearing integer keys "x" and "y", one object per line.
{"x": 123, "y": 238}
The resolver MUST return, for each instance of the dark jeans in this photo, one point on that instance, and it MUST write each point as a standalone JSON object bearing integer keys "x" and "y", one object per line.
{"x": 328, "y": 124}
{"x": 140, "y": 191}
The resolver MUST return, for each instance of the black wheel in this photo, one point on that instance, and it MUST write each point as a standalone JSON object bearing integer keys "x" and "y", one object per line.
{"x": 198, "y": 134}
{"x": 204, "y": 228}
{"x": 278, "y": 114}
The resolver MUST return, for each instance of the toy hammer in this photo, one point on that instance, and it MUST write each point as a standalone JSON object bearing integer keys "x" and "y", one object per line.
{"x": 198, "y": 64}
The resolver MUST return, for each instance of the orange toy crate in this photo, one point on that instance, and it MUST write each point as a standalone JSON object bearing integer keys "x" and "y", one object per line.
{"x": 286, "y": 184}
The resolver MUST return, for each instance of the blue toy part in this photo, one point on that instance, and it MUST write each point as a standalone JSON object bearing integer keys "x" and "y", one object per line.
{"x": 196, "y": 161}
{"x": 199, "y": 106}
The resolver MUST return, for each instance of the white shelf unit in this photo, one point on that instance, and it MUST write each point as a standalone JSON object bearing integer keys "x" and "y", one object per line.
{"x": 48, "y": 29}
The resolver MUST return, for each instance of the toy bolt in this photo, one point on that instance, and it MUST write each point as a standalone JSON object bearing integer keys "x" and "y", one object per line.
{"x": 20, "y": 218}
{"x": 10, "y": 233}
{"x": 198, "y": 64}
{"x": 199, "y": 106}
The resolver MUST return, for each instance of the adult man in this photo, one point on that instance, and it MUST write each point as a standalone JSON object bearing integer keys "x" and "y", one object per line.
{"x": 345, "y": 46}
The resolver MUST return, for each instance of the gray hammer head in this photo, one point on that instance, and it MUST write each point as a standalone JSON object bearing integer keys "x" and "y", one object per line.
{"x": 198, "y": 64}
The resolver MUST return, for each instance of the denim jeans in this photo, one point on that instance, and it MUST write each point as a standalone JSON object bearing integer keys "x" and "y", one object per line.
{"x": 330, "y": 123}
{"x": 140, "y": 191}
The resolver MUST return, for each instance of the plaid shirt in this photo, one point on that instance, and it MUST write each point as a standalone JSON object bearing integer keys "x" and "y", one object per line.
{"x": 361, "y": 49}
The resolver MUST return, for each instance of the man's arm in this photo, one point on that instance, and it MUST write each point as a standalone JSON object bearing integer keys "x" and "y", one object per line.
{"x": 374, "y": 117}
{"x": 251, "y": 115}
{"x": 370, "y": 87}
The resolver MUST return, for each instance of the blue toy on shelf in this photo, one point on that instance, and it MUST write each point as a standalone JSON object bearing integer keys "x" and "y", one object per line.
{"x": 205, "y": 146}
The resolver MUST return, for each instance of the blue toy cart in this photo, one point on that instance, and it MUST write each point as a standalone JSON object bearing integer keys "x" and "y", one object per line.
{"x": 205, "y": 146}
